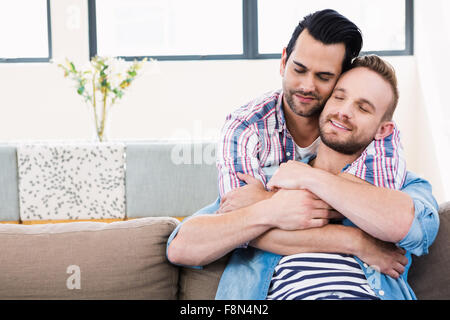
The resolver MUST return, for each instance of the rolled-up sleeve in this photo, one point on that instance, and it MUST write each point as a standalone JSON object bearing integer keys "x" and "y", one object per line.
{"x": 425, "y": 226}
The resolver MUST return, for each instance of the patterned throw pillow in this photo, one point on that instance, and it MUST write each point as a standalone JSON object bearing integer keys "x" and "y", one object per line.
{"x": 71, "y": 181}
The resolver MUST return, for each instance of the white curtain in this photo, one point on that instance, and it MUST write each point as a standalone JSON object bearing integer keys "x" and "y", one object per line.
{"x": 432, "y": 51}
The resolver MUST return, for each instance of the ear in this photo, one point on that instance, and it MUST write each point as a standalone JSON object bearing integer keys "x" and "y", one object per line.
{"x": 385, "y": 129}
{"x": 283, "y": 62}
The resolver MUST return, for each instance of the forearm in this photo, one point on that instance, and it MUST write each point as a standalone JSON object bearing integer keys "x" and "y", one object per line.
{"x": 206, "y": 238}
{"x": 385, "y": 214}
{"x": 244, "y": 196}
{"x": 329, "y": 238}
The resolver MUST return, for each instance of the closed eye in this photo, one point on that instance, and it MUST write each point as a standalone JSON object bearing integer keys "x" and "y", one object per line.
{"x": 322, "y": 78}
{"x": 362, "y": 108}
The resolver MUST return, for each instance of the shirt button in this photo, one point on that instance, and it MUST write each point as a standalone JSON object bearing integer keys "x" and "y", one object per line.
{"x": 288, "y": 154}
{"x": 365, "y": 265}
{"x": 381, "y": 293}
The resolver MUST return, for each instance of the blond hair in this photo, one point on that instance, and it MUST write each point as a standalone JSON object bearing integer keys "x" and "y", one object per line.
{"x": 386, "y": 71}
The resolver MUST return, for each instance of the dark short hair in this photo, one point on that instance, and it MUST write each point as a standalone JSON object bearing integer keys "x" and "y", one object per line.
{"x": 330, "y": 27}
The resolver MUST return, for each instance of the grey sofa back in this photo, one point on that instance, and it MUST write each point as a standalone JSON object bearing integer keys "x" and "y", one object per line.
{"x": 429, "y": 275}
{"x": 161, "y": 179}
{"x": 169, "y": 179}
{"x": 9, "y": 196}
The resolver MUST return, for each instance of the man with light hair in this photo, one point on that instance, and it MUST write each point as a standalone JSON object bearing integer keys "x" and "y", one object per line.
{"x": 358, "y": 112}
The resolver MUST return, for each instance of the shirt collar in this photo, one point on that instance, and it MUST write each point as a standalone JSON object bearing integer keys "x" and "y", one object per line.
{"x": 281, "y": 122}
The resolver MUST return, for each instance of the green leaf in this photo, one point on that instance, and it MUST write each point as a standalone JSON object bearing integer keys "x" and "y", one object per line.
{"x": 80, "y": 90}
{"x": 118, "y": 93}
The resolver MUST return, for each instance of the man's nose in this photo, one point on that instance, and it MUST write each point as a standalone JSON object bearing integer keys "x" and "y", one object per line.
{"x": 308, "y": 84}
{"x": 346, "y": 111}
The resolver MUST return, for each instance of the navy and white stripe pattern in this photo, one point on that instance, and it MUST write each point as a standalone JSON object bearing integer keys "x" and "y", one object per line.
{"x": 319, "y": 276}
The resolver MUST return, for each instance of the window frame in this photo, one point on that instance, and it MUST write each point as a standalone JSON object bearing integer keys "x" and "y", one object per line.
{"x": 49, "y": 39}
{"x": 250, "y": 38}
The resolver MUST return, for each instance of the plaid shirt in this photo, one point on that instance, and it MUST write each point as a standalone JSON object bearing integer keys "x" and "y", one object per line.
{"x": 255, "y": 140}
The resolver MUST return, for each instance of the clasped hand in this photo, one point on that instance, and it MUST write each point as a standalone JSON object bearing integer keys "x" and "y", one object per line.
{"x": 297, "y": 207}
{"x": 290, "y": 175}
{"x": 290, "y": 208}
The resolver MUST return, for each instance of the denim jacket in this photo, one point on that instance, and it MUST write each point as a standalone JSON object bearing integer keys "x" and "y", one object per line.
{"x": 249, "y": 271}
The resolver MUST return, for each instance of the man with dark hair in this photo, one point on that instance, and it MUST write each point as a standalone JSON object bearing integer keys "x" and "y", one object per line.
{"x": 329, "y": 27}
{"x": 282, "y": 126}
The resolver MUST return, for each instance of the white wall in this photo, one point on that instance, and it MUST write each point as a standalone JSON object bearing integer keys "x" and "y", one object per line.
{"x": 432, "y": 44}
{"x": 173, "y": 99}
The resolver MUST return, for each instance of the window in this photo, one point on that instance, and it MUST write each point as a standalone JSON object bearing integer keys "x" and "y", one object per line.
{"x": 25, "y": 31}
{"x": 168, "y": 28}
{"x": 385, "y": 24}
{"x": 234, "y": 29}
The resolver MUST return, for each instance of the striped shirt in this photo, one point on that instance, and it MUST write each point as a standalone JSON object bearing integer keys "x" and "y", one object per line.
{"x": 255, "y": 140}
{"x": 382, "y": 163}
{"x": 319, "y": 276}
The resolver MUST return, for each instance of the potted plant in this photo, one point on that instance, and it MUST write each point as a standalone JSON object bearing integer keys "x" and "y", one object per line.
{"x": 101, "y": 84}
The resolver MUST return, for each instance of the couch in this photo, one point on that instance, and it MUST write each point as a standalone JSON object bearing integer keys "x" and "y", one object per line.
{"x": 123, "y": 200}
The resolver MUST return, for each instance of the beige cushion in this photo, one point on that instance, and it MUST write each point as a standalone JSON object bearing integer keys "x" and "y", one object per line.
{"x": 196, "y": 284}
{"x": 87, "y": 260}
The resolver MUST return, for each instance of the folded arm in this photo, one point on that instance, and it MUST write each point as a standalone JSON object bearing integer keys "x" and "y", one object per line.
{"x": 334, "y": 238}
{"x": 206, "y": 238}
{"x": 385, "y": 214}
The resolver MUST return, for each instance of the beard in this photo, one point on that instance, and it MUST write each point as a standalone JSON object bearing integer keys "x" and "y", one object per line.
{"x": 315, "y": 110}
{"x": 350, "y": 146}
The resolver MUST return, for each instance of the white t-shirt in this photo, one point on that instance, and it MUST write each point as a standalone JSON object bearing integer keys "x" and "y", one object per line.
{"x": 301, "y": 153}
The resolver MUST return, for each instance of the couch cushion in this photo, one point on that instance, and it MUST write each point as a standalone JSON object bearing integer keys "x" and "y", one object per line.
{"x": 169, "y": 178}
{"x": 71, "y": 180}
{"x": 201, "y": 284}
{"x": 88, "y": 260}
{"x": 429, "y": 275}
{"x": 9, "y": 197}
